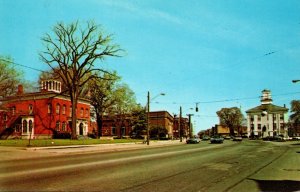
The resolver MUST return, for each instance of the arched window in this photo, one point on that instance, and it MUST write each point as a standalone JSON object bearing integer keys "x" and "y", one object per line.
{"x": 63, "y": 126}
{"x": 30, "y": 126}
{"x": 57, "y": 108}
{"x": 13, "y": 110}
{"x": 63, "y": 111}
{"x": 24, "y": 126}
{"x": 70, "y": 112}
{"x": 86, "y": 112}
{"x": 81, "y": 112}
{"x": 57, "y": 127}
{"x": 49, "y": 108}
{"x": 30, "y": 108}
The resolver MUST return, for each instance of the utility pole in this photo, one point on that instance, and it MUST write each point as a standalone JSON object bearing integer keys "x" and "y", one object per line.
{"x": 179, "y": 124}
{"x": 148, "y": 116}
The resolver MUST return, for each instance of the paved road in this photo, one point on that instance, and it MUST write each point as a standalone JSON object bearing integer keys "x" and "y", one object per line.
{"x": 246, "y": 166}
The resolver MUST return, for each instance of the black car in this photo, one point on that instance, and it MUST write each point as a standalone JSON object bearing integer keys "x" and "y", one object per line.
{"x": 193, "y": 141}
{"x": 216, "y": 139}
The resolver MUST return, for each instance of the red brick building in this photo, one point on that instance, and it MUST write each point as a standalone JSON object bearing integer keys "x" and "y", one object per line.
{"x": 117, "y": 126}
{"x": 40, "y": 114}
{"x": 162, "y": 119}
{"x": 184, "y": 127}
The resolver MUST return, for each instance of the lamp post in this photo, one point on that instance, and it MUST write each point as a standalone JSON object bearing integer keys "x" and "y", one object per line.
{"x": 148, "y": 113}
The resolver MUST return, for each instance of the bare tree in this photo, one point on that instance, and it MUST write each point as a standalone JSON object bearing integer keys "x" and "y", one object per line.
{"x": 74, "y": 51}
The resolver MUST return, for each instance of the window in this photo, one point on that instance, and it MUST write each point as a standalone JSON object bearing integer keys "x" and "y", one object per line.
{"x": 259, "y": 126}
{"x": 281, "y": 117}
{"x": 63, "y": 126}
{"x": 63, "y": 109}
{"x": 49, "y": 108}
{"x": 70, "y": 111}
{"x": 24, "y": 126}
{"x": 123, "y": 131}
{"x": 274, "y": 117}
{"x": 81, "y": 112}
{"x": 57, "y": 108}
{"x": 258, "y": 118}
{"x": 113, "y": 131}
{"x": 86, "y": 112}
{"x": 30, "y": 126}
{"x": 30, "y": 108}
{"x": 13, "y": 110}
{"x": 57, "y": 127}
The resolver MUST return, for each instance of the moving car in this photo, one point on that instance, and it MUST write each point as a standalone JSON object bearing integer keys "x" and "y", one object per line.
{"x": 192, "y": 141}
{"x": 216, "y": 139}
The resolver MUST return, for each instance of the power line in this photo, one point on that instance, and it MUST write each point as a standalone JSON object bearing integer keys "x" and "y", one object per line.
{"x": 18, "y": 64}
{"x": 225, "y": 100}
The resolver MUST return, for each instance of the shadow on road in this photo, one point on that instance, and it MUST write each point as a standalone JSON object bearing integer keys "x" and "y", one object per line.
{"x": 278, "y": 185}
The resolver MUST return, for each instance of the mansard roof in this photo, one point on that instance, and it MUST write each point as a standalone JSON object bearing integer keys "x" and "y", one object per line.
{"x": 270, "y": 108}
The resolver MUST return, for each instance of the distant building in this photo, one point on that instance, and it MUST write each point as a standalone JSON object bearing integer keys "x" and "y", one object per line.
{"x": 184, "y": 127}
{"x": 267, "y": 119}
{"x": 41, "y": 114}
{"x": 118, "y": 126}
{"x": 162, "y": 119}
{"x": 224, "y": 131}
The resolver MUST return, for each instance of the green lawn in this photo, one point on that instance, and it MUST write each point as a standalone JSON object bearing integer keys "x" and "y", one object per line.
{"x": 60, "y": 142}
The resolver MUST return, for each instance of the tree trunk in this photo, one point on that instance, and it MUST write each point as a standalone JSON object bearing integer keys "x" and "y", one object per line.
{"x": 74, "y": 116}
{"x": 99, "y": 125}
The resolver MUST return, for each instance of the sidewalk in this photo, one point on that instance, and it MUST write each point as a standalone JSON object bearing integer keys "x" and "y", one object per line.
{"x": 104, "y": 147}
{"x": 14, "y": 153}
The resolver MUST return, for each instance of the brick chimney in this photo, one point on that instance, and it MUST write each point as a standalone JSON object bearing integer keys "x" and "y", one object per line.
{"x": 20, "y": 90}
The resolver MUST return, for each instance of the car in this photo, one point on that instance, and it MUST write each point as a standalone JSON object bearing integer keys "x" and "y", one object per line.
{"x": 205, "y": 138}
{"x": 237, "y": 138}
{"x": 227, "y": 137}
{"x": 216, "y": 139}
{"x": 279, "y": 138}
{"x": 192, "y": 141}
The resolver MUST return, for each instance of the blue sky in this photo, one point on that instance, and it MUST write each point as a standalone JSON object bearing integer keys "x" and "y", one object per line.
{"x": 191, "y": 50}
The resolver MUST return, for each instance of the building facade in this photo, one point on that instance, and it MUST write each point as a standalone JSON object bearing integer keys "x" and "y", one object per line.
{"x": 42, "y": 114}
{"x": 184, "y": 127}
{"x": 162, "y": 119}
{"x": 267, "y": 119}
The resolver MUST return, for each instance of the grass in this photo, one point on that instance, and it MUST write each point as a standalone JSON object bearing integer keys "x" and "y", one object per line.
{"x": 60, "y": 142}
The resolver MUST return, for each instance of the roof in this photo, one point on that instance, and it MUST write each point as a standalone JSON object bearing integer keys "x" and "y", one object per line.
{"x": 40, "y": 95}
{"x": 270, "y": 108}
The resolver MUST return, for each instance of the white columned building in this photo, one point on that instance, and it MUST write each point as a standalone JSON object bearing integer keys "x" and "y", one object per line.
{"x": 267, "y": 119}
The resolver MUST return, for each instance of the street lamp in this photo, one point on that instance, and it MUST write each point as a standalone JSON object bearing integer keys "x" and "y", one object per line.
{"x": 148, "y": 113}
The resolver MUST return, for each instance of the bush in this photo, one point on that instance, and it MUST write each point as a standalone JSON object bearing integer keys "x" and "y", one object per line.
{"x": 61, "y": 135}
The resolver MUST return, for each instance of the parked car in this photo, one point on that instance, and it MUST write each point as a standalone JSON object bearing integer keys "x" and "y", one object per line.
{"x": 227, "y": 137}
{"x": 279, "y": 138}
{"x": 205, "y": 138}
{"x": 237, "y": 138}
{"x": 192, "y": 141}
{"x": 268, "y": 138}
{"x": 216, "y": 139}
